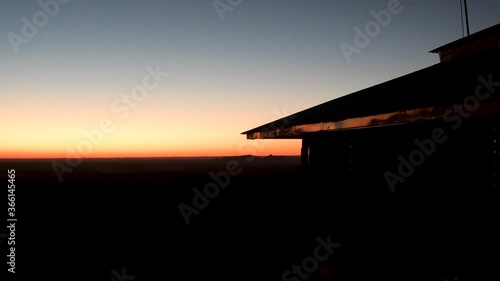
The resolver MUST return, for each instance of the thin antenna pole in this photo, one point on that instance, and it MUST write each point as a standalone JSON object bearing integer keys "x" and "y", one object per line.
{"x": 466, "y": 17}
{"x": 462, "y": 17}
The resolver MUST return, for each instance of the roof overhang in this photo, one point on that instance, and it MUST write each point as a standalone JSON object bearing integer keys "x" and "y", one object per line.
{"x": 423, "y": 95}
{"x": 373, "y": 121}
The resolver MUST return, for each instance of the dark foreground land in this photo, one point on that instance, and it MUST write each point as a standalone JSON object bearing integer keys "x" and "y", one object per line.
{"x": 118, "y": 218}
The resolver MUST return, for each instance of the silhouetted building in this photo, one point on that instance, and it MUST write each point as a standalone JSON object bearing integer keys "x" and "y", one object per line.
{"x": 486, "y": 40}
{"x": 415, "y": 160}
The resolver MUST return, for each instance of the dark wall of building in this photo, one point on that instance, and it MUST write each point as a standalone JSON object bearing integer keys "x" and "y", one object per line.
{"x": 438, "y": 218}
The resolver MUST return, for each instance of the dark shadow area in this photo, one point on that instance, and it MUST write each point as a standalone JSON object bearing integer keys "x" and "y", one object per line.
{"x": 113, "y": 213}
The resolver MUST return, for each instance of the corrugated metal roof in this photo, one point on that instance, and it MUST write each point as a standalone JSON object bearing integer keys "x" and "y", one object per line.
{"x": 439, "y": 85}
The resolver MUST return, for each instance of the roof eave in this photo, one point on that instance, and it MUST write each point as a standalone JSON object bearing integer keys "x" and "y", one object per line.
{"x": 379, "y": 120}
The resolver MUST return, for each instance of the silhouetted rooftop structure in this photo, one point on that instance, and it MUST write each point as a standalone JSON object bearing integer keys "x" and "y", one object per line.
{"x": 421, "y": 95}
{"x": 484, "y": 40}
{"x": 413, "y": 162}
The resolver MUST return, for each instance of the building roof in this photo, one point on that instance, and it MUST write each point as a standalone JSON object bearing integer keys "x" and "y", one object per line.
{"x": 421, "y": 95}
{"x": 485, "y": 33}
{"x": 479, "y": 42}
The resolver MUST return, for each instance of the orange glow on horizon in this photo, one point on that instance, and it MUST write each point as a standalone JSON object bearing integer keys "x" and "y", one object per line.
{"x": 274, "y": 147}
{"x": 156, "y": 128}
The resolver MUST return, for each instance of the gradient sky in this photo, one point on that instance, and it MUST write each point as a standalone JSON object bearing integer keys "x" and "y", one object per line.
{"x": 265, "y": 60}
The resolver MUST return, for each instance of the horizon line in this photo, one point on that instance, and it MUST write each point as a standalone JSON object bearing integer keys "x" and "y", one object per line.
{"x": 142, "y": 157}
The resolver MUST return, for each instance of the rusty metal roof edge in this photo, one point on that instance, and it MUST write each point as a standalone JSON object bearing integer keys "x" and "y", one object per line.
{"x": 379, "y": 120}
{"x": 392, "y": 118}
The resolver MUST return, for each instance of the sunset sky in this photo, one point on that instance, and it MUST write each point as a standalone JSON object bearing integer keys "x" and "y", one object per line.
{"x": 227, "y": 71}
